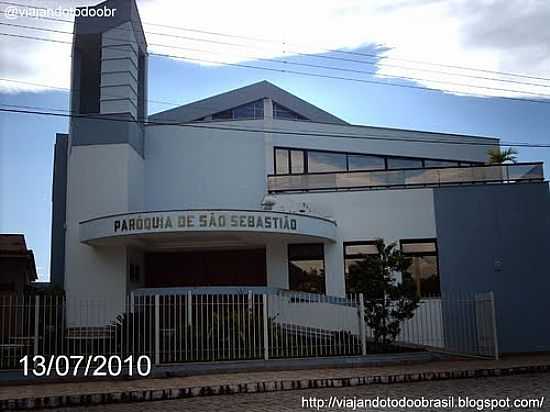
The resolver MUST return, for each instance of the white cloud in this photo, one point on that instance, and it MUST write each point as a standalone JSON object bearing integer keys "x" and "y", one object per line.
{"x": 505, "y": 35}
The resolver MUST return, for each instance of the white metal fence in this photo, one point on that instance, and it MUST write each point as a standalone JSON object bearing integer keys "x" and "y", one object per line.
{"x": 197, "y": 325}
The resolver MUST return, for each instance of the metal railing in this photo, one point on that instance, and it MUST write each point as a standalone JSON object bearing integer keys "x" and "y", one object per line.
{"x": 237, "y": 325}
{"x": 377, "y": 179}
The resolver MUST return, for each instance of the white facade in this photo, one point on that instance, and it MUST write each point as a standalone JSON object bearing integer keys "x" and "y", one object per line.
{"x": 188, "y": 168}
{"x": 134, "y": 191}
{"x": 204, "y": 195}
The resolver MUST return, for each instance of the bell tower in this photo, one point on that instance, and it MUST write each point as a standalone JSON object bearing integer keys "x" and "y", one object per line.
{"x": 105, "y": 148}
{"x": 109, "y": 76}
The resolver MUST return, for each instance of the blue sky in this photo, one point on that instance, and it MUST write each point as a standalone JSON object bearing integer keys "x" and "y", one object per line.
{"x": 26, "y": 141}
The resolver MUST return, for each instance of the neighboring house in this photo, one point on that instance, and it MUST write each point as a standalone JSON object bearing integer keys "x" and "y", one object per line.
{"x": 17, "y": 266}
{"x": 257, "y": 187}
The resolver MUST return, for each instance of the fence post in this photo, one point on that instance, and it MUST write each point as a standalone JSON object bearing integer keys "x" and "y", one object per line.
{"x": 266, "y": 334}
{"x": 157, "y": 329}
{"x": 36, "y": 322}
{"x": 362, "y": 329}
{"x": 189, "y": 308}
{"x": 494, "y": 319}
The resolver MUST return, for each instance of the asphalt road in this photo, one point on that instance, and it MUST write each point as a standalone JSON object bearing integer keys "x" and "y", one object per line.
{"x": 512, "y": 387}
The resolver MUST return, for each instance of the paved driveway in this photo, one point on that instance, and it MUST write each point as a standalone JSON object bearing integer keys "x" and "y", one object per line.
{"x": 514, "y": 387}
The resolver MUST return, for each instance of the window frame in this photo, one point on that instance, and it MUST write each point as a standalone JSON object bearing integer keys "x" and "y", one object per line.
{"x": 305, "y": 151}
{"x": 253, "y": 103}
{"x": 355, "y": 255}
{"x": 299, "y": 117}
{"x": 326, "y": 152}
{"x": 420, "y": 254}
{"x": 356, "y": 243}
{"x": 324, "y": 282}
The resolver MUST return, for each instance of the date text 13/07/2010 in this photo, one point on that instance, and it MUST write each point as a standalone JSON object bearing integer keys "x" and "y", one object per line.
{"x": 79, "y": 365}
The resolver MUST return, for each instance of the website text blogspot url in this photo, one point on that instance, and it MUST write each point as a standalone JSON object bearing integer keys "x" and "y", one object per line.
{"x": 451, "y": 402}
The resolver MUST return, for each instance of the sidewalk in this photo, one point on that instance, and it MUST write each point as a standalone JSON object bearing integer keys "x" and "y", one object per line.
{"x": 99, "y": 392}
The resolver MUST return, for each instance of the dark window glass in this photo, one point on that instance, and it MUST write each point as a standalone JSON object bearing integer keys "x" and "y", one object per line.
{"x": 281, "y": 112}
{"x": 326, "y": 162}
{"x": 297, "y": 161}
{"x": 424, "y": 266}
{"x": 439, "y": 163}
{"x": 225, "y": 115}
{"x": 363, "y": 162}
{"x": 88, "y": 56}
{"x": 281, "y": 162}
{"x": 243, "y": 112}
{"x": 355, "y": 252}
{"x": 403, "y": 163}
{"x": 306, "y": 267}
{"x": 355, "y": 255}
{"x": 254, "y": 110}
{"x": 141, "y": 87}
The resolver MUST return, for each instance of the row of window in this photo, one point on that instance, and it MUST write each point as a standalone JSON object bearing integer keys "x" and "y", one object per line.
{"x": 299, "y": 161}
{"x": 254, "y": 111}
{"x": 307, "y": 269}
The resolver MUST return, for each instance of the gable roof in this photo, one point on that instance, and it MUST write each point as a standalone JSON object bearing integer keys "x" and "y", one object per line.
{"x": 244, "y": 95}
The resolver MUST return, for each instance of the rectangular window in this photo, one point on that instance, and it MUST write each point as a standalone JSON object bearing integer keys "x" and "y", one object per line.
{"x": 225, "y": 115}
{"x": 88, "y": 55}
{"x": 243, "y": 112}
{"x": 301, "y": 161}
{"x": 297, "y": 162}
{"x": 306, "y": 267}
{"x": 326, "y": 162}
{"x": 281, "y": 162}
{"x": 254, "y": 110}
{"x": 282, "y": 113}
{"x": 424, "y": 265}
{"x": 355, "y": 252}
{"x": 363, "y": 162}
{"x": 404, "y": 163}
{"x": 439, "y": 163}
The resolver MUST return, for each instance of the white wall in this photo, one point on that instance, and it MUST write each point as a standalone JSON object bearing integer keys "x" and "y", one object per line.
{"x": 383, "y": 147}
{"x": 99, "y": 182}
{"x": 276, "y": 253}
{"x": 191, "y": 168}
{"x": 367, "y": 215}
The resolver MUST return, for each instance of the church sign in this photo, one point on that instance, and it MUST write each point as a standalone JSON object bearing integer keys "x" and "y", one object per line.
{"x": 127, "y": 225}
{"x": 204, "y": 221}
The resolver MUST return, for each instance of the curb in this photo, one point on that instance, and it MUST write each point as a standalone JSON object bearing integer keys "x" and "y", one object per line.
{"x": 256, "y": 387}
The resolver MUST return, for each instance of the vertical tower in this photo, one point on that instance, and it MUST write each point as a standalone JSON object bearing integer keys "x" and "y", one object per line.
{"x": 104, "y": 156}
{"x": 109, "y": 76}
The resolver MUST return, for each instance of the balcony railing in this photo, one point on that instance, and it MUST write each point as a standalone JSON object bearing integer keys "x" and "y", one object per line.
{"x": 380, "y": 179}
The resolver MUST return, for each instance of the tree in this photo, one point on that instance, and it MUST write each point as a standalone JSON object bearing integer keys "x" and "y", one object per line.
{"x": 387, "y": 301}
{"x": 497, "y": 156}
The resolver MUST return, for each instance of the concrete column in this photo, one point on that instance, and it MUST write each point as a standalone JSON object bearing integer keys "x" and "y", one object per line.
{"x": 268, "y": 108}
{"x": 335, "y": 282}
{"x": 277, "y": 264}
{"x": 268, "y": 138}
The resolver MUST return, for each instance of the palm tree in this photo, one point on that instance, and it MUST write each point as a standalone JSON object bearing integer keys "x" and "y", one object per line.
{"x": 497, "y": 156}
